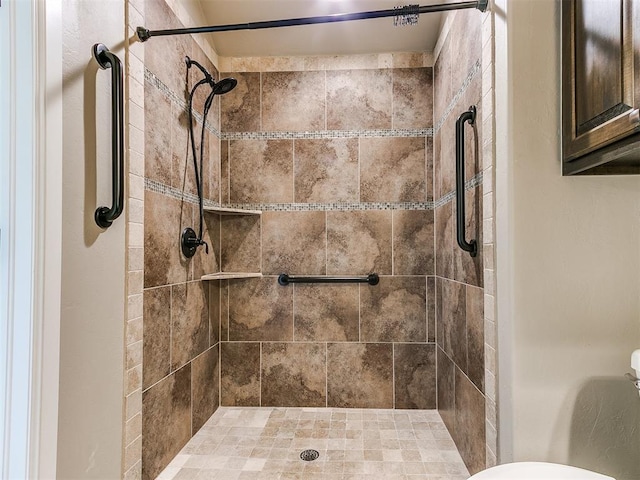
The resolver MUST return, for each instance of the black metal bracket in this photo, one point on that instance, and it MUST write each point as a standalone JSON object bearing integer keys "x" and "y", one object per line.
{"x": 104, "y": 216}
{"x": 470, "y": 246}
{"x": 371, "y": 279}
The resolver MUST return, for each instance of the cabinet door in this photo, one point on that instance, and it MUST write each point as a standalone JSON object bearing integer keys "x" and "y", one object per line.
{"x": 599, "y": 98}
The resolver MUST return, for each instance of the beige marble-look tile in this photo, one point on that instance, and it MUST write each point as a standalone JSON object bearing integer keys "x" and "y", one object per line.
{"x": 413, "y": 242}
{"x": 359, "y": 99}
{"x": 293, "y": 374}
{"x": 431, "y": 309}
{"x": 165, "y": 218}
{"x": 326, "y": 313}
{"x": 429, "y": 169}
{"x": 157, "y": 142}
{"x": 442, "y": 89}
{"x": 156, "y": 335}
{"x": 224, "y": 171}
{"x": 260, "y": 310}
{"x": 446, "y": 389}
{"x": 203, "y": 262}
{"x": 189, "y": 321}
{"x": 215, "y": 307}
{"x": 468, "y": 269}
{"x": 452, "y": 330}
{"x": 240, "y": 108}
{"x": 166, "y": 421}
{"x": 240, "y": 243}
{"x": 436, "y": 162}
{"x": 326, "y": 170}
{"x": 412, "y": 97}
{"x": 293, "y": 243}
{"x": 213, "y": 190}
{"x": 446, "y": 180}
{"x": 475, "y": 335}
{"x": 444, "y": 225}
{"x": 473, "y": 133}
{"x": 224, "y": 310}
{"x": 293, "y": 101}
{"x": 240, "y": 374}
{"x": 359, "y": 375}
{"x": 415, "y": 375}
{"x": 261, "y": 171}
{"x": 469, "y": 429}
{"x": 165, "y": 58}
{"x": 392, "y": 169}
{"x": 358, "y": 242}
{"x": 183, "y": 175}
{"x": 205, "y": 383}
{"x": 394, "y": 310}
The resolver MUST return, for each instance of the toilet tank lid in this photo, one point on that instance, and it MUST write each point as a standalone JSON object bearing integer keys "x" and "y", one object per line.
{"x": 537, "y": 471}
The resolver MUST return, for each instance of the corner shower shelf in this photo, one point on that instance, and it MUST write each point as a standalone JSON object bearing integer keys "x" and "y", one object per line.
{"x": 225, "y": 211}
{"x": 230, "y": 275}
{"x": 231, "y": 211}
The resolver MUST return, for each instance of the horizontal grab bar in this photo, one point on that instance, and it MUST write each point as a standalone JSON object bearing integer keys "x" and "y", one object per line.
{"x": 371, "y": 279}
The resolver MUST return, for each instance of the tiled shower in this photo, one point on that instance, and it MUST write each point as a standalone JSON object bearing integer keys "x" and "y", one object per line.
{"x": 351, "y": 161}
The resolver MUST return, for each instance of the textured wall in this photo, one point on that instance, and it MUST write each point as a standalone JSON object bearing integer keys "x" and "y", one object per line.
{"x": 571, "y": 309}
{"x": 180, "y": 343}
{"x": 459, "y": 277}
{"x": 340, "y": 161}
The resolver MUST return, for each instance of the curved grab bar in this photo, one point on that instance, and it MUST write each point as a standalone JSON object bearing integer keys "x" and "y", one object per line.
{"x": 105, "y": 216}
{"x": 470, "y": 246}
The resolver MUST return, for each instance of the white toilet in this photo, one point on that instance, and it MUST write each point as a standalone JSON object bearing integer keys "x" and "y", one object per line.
{"x": 537, "y": 471}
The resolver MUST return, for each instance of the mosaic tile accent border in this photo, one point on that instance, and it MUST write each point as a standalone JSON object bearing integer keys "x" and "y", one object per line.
{"x": 450, "y": 196}
{"x": 474, "y": 71}
{"x": 154, "y": 81}
{"x": 426, "y": 132}
{"x": 173, "y": 192}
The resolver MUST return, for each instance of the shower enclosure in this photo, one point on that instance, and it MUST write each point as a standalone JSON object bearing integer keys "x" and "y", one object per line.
{"x": 313, "y": 167}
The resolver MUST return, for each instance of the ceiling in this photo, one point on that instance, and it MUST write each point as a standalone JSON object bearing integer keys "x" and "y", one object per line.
{"x": 344, "y": 38}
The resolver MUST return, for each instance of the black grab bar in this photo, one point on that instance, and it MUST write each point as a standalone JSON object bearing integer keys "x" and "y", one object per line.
{"x": 371, "y": 279}
{"x": 470, "y": 246}
{"x": 105, "y": 216}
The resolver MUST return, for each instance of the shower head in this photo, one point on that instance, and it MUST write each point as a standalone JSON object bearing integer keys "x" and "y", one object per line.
{"x": 219, "y": 88}
{"x": 224, "y": 86}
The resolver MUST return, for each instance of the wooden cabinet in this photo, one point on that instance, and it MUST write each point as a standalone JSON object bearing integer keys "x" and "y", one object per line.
{"x": 600, "y": 86}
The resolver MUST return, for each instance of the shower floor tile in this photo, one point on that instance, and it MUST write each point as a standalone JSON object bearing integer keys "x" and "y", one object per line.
{"x": 245, "y": 443}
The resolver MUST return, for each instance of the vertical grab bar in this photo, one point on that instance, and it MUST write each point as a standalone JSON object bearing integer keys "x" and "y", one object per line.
{"x": 471, "y": 246}
{"x": 104, "y": 216}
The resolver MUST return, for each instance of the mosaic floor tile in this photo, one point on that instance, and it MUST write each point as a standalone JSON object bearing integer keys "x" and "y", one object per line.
{"x": 250, "y": 443}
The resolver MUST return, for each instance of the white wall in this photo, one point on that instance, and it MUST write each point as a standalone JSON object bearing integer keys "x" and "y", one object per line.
{"x": 93, "y": 261}
{"x": 568, "y": 270}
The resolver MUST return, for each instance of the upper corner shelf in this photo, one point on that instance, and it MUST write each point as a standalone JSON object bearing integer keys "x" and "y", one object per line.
{"x": 231, "y": 211}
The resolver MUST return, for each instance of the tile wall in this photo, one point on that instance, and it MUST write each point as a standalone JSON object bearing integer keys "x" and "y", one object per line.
{"x": 338, "y": 156}
{"x": 459, "y": 277}
{"x": 350, "y": 158}
{"x": 180, "y": 348}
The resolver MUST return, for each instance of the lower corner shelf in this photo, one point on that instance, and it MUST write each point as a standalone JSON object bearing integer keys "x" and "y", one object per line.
{"x": 229, "y": 275}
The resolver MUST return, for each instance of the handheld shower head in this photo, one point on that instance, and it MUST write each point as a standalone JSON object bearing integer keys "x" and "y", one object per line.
{"x": 224, "y": 86}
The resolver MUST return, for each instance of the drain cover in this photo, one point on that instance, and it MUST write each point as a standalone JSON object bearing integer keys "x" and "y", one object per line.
{"x": 309, "y": 455}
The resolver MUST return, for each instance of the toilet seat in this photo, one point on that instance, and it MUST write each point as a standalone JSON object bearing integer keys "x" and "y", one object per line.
{"x": 537, "y": 471}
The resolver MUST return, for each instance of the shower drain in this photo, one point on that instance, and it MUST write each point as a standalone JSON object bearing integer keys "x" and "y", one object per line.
{"x": 309, "y": 455}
